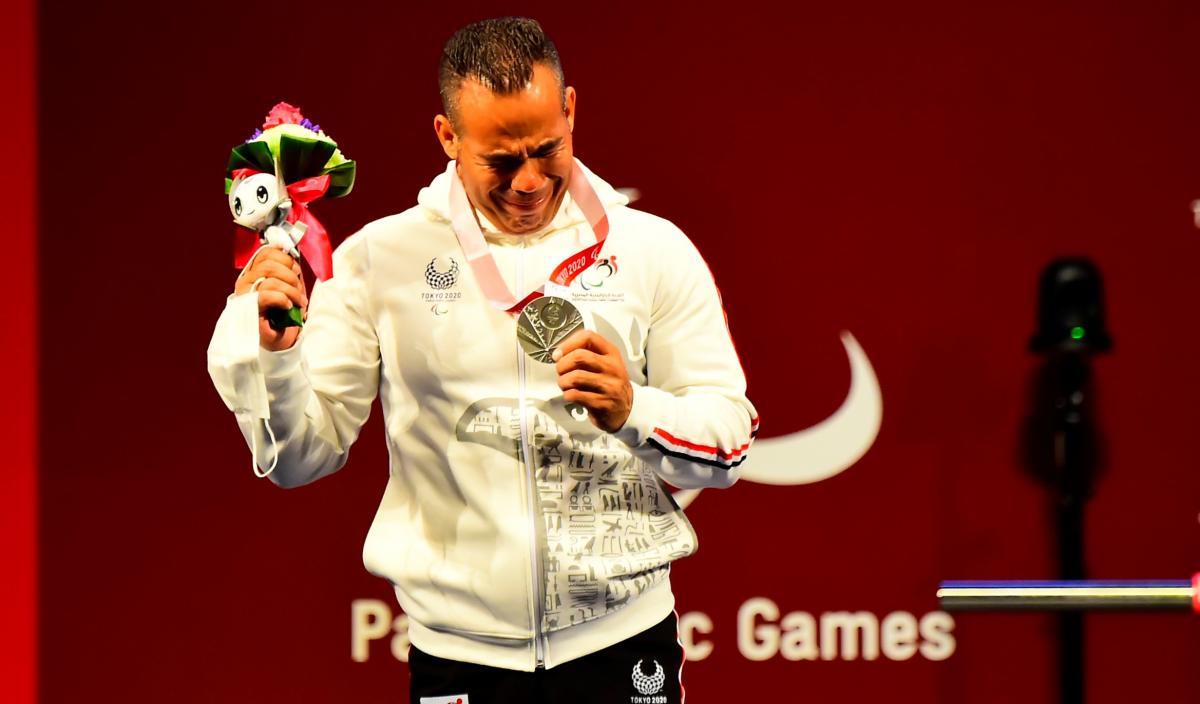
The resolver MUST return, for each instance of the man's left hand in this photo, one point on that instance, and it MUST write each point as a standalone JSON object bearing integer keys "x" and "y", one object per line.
{"x": 591, "y": 372}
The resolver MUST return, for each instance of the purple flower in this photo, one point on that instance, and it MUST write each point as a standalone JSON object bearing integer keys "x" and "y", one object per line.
{"x": 256, "y": 135}
{"x": 310, "y": 126}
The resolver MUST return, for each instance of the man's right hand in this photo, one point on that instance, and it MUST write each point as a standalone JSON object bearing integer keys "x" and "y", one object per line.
{"x": 282, "y": 287}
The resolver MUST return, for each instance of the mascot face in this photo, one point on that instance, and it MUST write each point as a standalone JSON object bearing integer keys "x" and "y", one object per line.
{"x": 253, "y": 200}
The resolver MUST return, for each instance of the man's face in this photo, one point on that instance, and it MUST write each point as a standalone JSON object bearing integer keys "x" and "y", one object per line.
{"x": 514, "y": 151}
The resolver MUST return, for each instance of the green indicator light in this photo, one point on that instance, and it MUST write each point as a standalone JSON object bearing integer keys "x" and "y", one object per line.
{"x": 1077, "y": 332}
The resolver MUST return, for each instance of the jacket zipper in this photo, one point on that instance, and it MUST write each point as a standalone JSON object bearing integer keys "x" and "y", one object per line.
{"x": 531, "y": 488}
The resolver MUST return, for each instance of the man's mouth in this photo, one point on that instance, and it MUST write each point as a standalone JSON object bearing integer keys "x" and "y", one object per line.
{"x": 526, "y": 206}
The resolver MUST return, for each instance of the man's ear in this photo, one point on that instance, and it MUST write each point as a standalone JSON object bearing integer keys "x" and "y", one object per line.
{"x": 569, "y": 107}
{"x": 446, "y": 135}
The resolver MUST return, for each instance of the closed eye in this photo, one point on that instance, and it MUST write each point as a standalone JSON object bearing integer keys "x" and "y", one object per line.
{"x": 511, "y": 162}
{"x": 546, "y": 150}
{"x": 504, "y": 163}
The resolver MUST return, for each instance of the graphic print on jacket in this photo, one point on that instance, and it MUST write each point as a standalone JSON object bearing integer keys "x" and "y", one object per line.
{"x": 604, "y": 511}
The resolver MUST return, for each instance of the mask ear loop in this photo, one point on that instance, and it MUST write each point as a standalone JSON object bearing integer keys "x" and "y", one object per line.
{"x": 265, "y": 422}
{"x": 254, "y": 452}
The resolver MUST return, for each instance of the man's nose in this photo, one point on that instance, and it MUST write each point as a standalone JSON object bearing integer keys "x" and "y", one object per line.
{"x": 529, "y": 178}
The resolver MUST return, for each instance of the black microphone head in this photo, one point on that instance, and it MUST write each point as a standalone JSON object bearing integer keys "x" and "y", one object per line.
{"x": 1071, "y": 309}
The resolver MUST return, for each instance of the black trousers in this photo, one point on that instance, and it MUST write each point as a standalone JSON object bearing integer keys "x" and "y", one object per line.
{"x": 644, "y": 669}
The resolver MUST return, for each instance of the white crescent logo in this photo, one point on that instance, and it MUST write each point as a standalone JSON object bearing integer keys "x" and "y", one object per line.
{"x": 825, "y": 449}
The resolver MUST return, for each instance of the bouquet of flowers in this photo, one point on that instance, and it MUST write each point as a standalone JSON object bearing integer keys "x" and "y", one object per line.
{"x": 270, "y": 180}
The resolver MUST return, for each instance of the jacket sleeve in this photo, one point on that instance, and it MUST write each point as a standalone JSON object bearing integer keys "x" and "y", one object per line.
{"x": 313, "y": 398}
{"x": 692, "y": 420}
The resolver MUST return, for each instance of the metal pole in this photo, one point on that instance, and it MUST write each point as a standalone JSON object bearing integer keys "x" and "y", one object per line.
{"x": 1176, "y": 595}
{"x": 1075, "y": 466}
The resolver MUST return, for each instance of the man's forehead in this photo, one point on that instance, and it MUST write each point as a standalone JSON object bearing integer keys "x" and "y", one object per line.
{"x": 473, "y": 89}
{"x": 542, "y": 84}
{"x": 512, "y": 123}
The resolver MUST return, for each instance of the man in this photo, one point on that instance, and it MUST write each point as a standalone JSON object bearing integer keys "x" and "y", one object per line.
{"x": 526, "y": 525}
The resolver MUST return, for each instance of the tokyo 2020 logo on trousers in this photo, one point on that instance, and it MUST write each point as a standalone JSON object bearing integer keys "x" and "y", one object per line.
{"x": 648, "y": 684}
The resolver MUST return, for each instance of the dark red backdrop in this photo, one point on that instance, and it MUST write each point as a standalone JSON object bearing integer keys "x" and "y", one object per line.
{"x": 900, "y": 172}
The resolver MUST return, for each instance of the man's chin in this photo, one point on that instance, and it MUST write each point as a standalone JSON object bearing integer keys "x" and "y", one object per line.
{"x": 525, "y": 223}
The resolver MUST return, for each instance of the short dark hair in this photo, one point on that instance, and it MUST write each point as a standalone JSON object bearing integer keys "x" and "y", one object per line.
{"x": 499, "y": 53}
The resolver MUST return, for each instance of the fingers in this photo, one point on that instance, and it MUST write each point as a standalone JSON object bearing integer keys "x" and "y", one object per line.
{"x": 275, "y": 270}
{"x": 272, "y": 265}
{"x": 584, "y": 359}
{"x": 300, "y": 275}
{"x": 280, "y": 285}
{"x": 604, "y": 411}
{"x": 274, "y": 293}
{"x": 594, "y": 402}
{"x": 591, "y": 373}
{"x": 270, "y": 262}
{"x": 269, "y": 253}
{"x": 273, "y": 339}
{"x": 584, "y": 339}
{"x": 586, "y": 381}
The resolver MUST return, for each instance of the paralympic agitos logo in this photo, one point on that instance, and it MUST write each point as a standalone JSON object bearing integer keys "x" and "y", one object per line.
{"x": 825, "y": 449}
{"x": 598, "y": 273}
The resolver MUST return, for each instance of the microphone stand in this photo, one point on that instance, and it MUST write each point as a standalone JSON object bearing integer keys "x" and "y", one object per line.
{"x": 1074, "y": 454}
{"x": 1063, "y": 444}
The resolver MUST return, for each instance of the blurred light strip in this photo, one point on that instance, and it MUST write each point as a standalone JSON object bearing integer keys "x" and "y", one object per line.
{"x": 18, "y": 357}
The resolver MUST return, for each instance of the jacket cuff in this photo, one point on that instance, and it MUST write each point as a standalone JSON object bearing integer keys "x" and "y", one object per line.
{"x": 281, "y": 364}
{"x": 649, "y": 406}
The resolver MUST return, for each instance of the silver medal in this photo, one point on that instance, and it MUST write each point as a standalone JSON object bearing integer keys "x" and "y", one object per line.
{"x": 544, "y": 323}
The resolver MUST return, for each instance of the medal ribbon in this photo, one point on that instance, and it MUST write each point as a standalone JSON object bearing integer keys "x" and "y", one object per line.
{"x": 483, "y": 264}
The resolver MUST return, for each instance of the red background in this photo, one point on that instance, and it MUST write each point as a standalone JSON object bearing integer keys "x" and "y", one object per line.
{"x": 900, "y": 172}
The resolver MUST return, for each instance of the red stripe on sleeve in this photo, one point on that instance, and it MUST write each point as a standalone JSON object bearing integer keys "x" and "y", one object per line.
{"x": 700, "y": 448}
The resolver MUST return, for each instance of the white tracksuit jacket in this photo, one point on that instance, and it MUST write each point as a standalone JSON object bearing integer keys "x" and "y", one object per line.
{"x": 516, "y": 533}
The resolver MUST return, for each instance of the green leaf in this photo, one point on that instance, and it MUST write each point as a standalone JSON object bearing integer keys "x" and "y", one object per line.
{"x": 251, "y": 155}
{"x": 341, "y": 179}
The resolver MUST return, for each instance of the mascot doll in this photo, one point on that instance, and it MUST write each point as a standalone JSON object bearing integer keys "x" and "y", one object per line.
{"x": 270, "y": 180}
